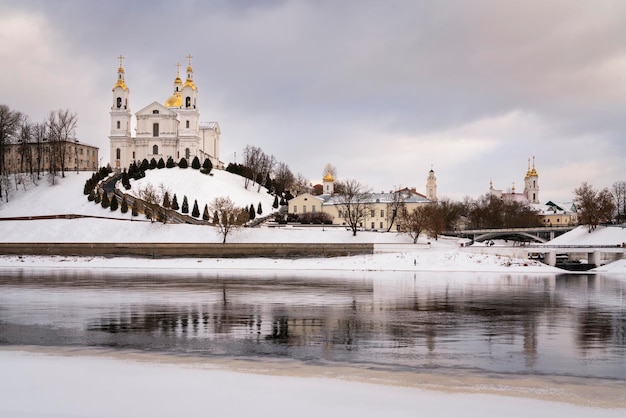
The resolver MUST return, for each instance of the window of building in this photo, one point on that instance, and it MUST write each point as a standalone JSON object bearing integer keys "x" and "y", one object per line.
{"x": 118, "y": 154}
{"x": 313, "y": 208}
{"x": 119, "y": 102}
{"x": 187, "y": 154}
{"x": 155, "y": 112}
{"x": 295, "y": 209}
{"x": 372, "y": 225}
{"x": 187, "y": 124}
{"x": 155, "y": 149}
{"x": 133, "y": 155}
{"x": 188, "y": 102}
{"x": 381, "y": 225}
{"x": 118, "y": 124}
{"x": 382, "y": 213}
{"x": 372, "y": 213}
{"x": 304, "y": 209}
{"x": 155, "y": 129}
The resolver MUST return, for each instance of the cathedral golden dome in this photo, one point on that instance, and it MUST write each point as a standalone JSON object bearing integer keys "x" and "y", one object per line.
{"x": 189, "y": 83}
{"x": 120, "y": 83}
{"x": 328, "y": 177}
{"x": 175, "y": 100}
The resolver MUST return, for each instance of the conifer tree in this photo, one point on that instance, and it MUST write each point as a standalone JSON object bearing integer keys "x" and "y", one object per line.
{"x": 215, "y": 217}
{"x": 283, "y": 202}
{"x": 114, "y": 204}
{"x": 98, "y": 198}
{"x": 124, "y": 206}
{"x": 153, "y": 164}
{"x": 195, "y": 164}
{"x": 105, "y": 200}
{"x": 166, "y": 200}
{"x": 196, "y": 211}
{"x": 161, "y": 163}
{"x": 259, "y": 209}
{"x": 145, "y": 165}
{"x": 182, "y": 163}
{"x": 175, "y": 203}
{"x": 205, "y": 214}
{"x": 135, "y": 210}
{"x": 92, "y": 196}
{"x": 185, "y": 207}
{"x": 170, "y": 162}
{"x": 251, "y": 212}
{"x": 275, "y": 204}
{"x": 207, "y": 166}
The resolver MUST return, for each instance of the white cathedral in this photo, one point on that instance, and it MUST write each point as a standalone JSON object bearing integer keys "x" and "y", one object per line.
{"x": 172, "y": 129}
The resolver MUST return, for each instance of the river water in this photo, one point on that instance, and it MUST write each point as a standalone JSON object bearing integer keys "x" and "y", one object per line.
{"x": 563, "y": 325}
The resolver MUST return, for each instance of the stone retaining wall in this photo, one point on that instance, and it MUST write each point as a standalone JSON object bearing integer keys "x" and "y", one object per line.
{"x": 158, "y": 250}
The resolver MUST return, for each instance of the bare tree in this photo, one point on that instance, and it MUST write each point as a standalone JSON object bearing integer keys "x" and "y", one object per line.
{"x": 415, "y": 222}
{"x": 10, "y": 121}
{"x": 39, "y": 133}
{"x": 283, "y": 178}
{"x": 61, "y": 125}
{"x": 619, "y": 195}
{"x": 301, "y": 185}
{"x": 594, "y": 207}
{"x": 354, "y": 201}
{"x": 266, "y": 167}
{"x": 229, "y": 217}
{"x": 395, "y": 206}
{"x": 252, "y": 161}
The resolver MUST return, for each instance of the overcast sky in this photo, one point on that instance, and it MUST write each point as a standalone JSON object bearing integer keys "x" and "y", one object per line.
{"x": 382, "y": 90}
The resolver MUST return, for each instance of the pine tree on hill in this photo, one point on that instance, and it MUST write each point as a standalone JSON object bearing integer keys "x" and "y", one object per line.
{"x": 161, "y": 163}
{"x": 166, "y": 201}
{"x": 195, "y": 212}
{"x": 259, "y": 209}
{"x": 98, "y": 198}
{"x": 283, "y": 202}
{"x": 207, "y": 166}
{"x": 205, "y": 214}
{"x": 170, "y": 162}
{"x": 275, "y": 204}
{"x": 135, "y": 210}
{"x": 92, "y": 195}
{"x": 215, "y": 217}
{"x": 251, "y": 212}
{"x": 185, "y": 207}
{"x": 195, "y": 164}
{"x": 182, "y": 163}
{"x": 175, "y": 203}
{"x": 114, "y": 204}
{"x": 145, "y": 165}
{"x": 153, "y": 164}
{"x": 105, "y": 200}
{"x": 124, "y": 206}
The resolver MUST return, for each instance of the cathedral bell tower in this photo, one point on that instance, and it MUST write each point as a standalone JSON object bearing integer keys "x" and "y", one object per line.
{"x": 431, "y": 186}
{"x": 531, "y": 184}
{"x": 120, "y": 139}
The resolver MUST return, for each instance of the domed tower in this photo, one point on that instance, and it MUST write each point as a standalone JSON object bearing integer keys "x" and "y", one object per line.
{"x": 431, "y": 186}
{"x": 531, "y": 184}
{"x": 189, "y": 117}
{"x": 120, "y": 140}
{"x": 329, "y": 181}
{"x": 176, "y": 99}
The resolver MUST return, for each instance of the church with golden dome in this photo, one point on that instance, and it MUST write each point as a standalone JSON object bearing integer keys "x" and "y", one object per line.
{"x": 172, "y": 129}
{"x": 531, "y": 188}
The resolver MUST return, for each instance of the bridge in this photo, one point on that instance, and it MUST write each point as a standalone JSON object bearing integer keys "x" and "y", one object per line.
{"x": 538, "y": 234}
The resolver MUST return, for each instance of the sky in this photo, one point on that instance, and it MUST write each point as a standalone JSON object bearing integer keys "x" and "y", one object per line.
{"x": 383, "y": 91}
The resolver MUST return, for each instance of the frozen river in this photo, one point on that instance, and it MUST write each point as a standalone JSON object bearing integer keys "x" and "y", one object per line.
{"x": 566, "y": 325}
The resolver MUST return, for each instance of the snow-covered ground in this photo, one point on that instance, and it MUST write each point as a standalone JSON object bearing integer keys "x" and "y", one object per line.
{"x": 53, "y": 382}
{"x": 66, "y": 197}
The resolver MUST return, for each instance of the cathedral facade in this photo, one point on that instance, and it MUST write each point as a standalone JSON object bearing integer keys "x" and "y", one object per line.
{"x": 531, "y": 188}
{"x": 172, "y": 129}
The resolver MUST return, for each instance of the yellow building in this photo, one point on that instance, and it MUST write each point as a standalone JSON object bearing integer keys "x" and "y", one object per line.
{"x": 76, "y": 155}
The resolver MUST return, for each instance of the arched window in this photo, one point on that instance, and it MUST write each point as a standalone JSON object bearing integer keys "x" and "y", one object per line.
{"x": 155, "y": 130}
{"x": 119, "y": 102}
{"x": 187, "y": 124}
{"x": 155, "y": 112}
{"x": 187, "y": 101}
{"x": 155, "y": 149}
{"x": 118, "y": 154}
{"x": 118, "y": 124}
{"x": 187, "y": 154}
